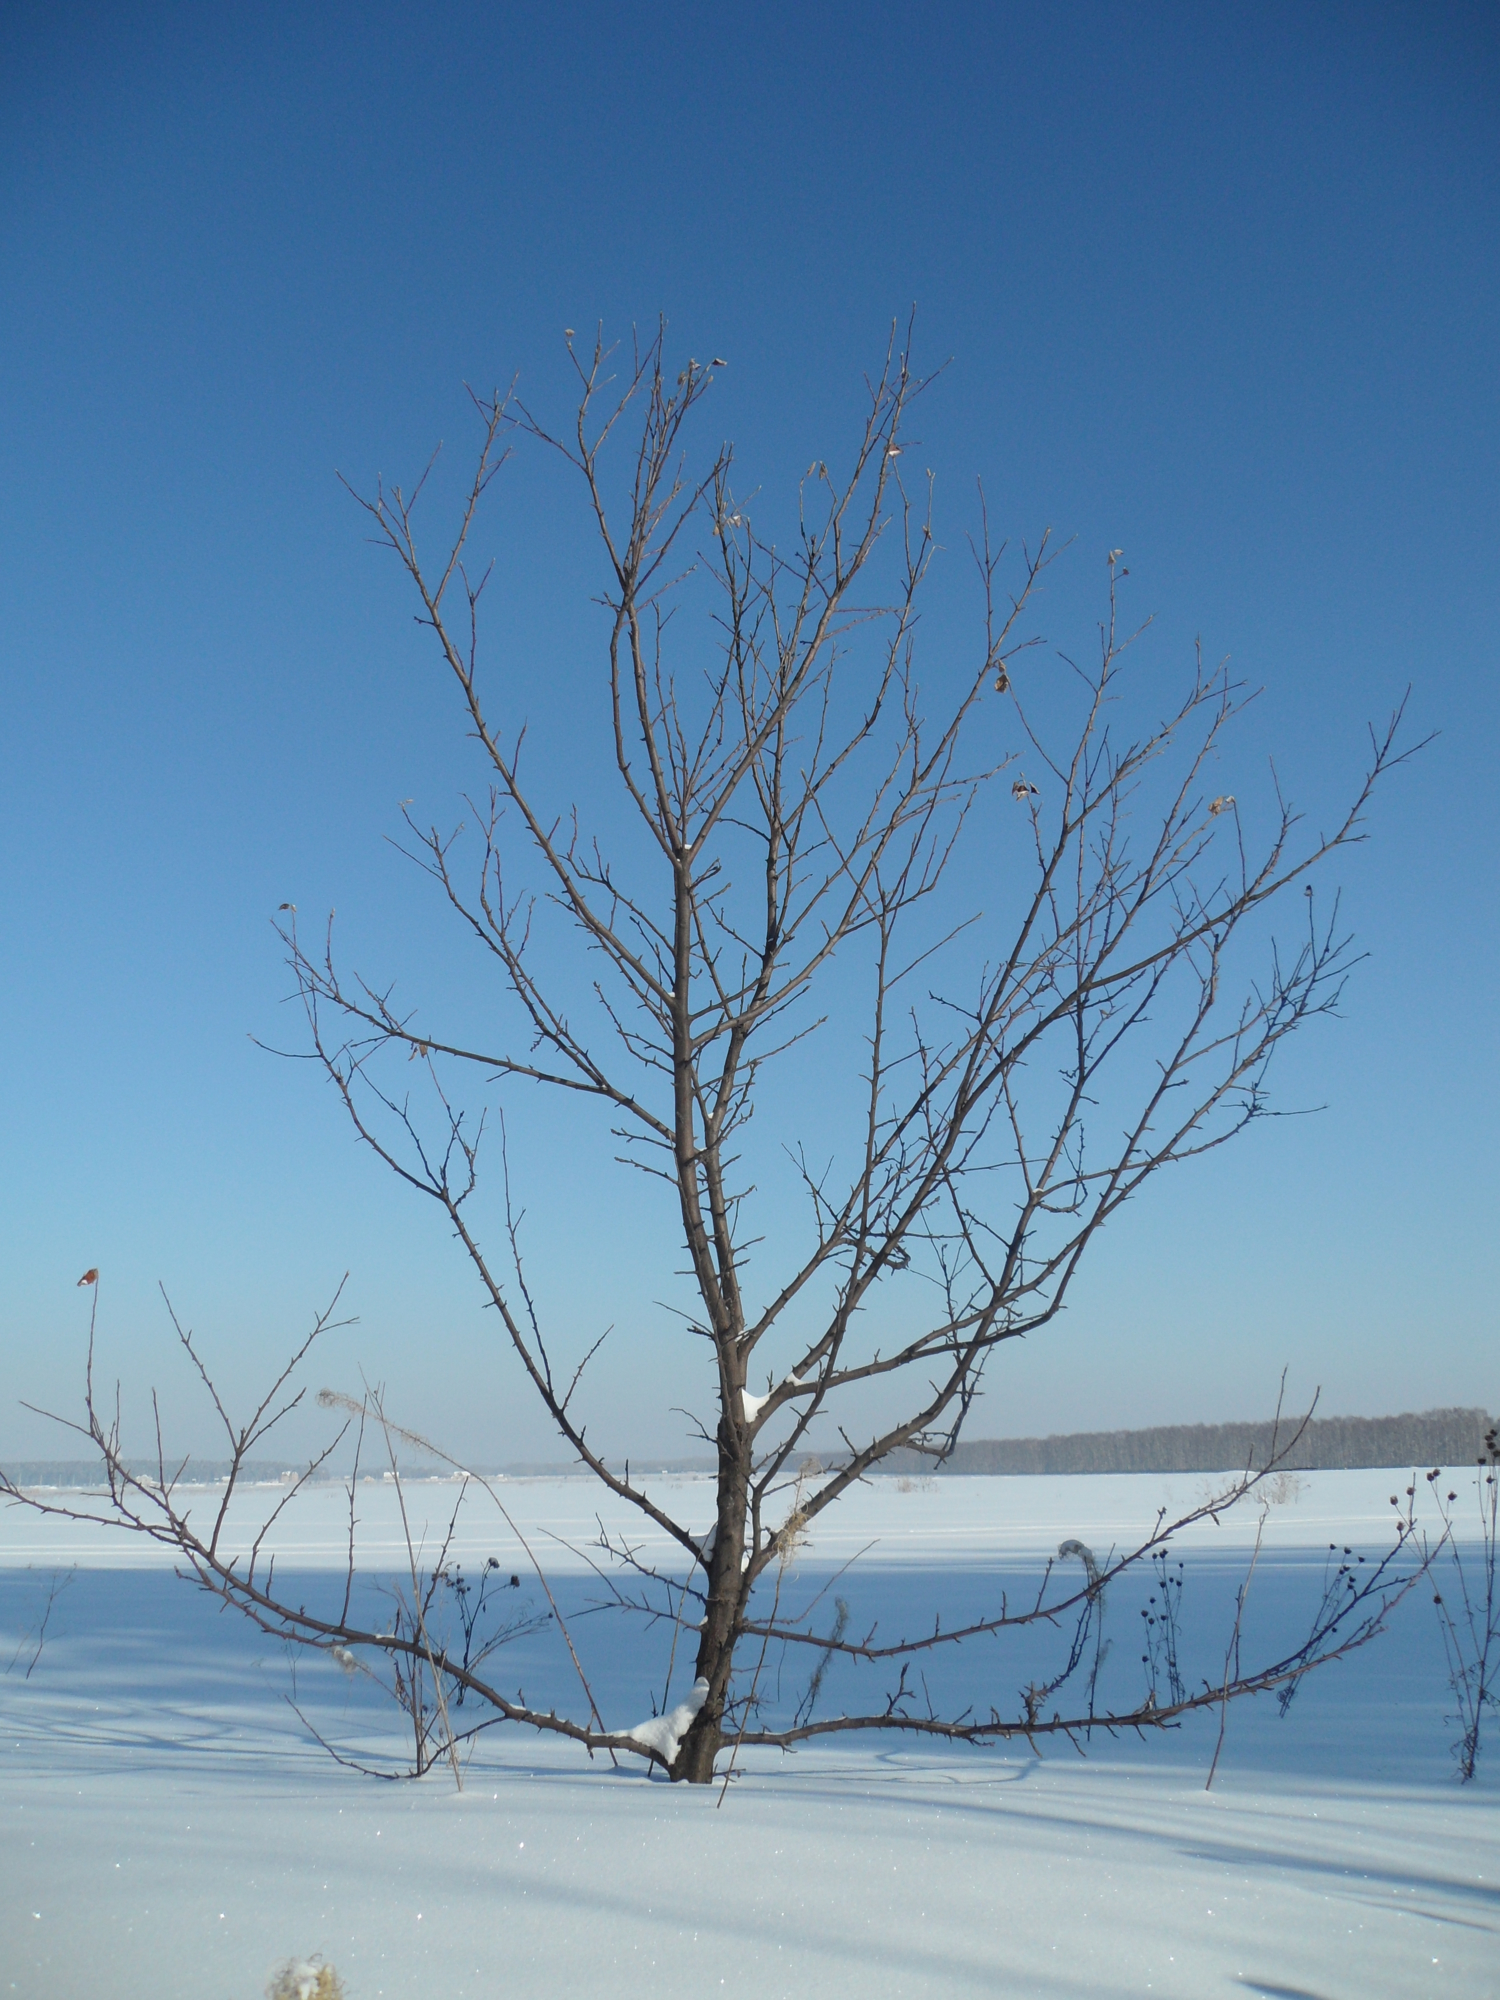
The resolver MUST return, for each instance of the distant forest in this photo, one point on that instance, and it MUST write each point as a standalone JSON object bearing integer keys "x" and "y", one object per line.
{"x": 1433, "y": 1437}
{"x": 1449, "y": 1438}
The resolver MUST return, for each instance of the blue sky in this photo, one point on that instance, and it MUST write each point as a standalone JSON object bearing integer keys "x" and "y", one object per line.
{"x": 1219, "y": 286}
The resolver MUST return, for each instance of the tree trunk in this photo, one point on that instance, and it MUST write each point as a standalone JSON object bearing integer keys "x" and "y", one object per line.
{"x": 694, "y": 1762}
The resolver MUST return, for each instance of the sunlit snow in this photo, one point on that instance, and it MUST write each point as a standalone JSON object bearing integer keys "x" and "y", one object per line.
{"x": 168, "y": 1831}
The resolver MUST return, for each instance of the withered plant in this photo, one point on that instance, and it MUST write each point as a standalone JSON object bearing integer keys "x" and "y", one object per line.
{"x": 1468, "y": 1609}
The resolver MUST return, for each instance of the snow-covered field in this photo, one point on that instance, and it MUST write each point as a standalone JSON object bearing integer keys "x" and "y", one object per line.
{"x": 168, "y": 1830}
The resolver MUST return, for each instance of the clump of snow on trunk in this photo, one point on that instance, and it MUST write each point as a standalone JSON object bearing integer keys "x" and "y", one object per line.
{"x": 663, "y": 1733}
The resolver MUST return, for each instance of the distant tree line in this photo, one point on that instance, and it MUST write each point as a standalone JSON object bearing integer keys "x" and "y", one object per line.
{"x": 83, "y": 1473}
{"x": 1433, "y": 1437}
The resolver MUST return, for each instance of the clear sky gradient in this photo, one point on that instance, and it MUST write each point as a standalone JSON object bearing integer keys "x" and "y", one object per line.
{"x": 1220, "y": 287}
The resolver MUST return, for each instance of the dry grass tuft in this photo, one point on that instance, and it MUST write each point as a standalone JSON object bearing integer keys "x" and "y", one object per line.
{"x": 305, "y": 1979}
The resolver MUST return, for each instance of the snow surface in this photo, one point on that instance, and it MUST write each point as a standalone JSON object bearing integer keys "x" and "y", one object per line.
{"x": 169, "y": 1832}
{"x": 946, "y": 1521}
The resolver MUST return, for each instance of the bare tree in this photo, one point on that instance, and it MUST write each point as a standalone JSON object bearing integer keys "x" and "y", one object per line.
{"x": 801, "y": 800}
{"x": 801, "y": 805}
